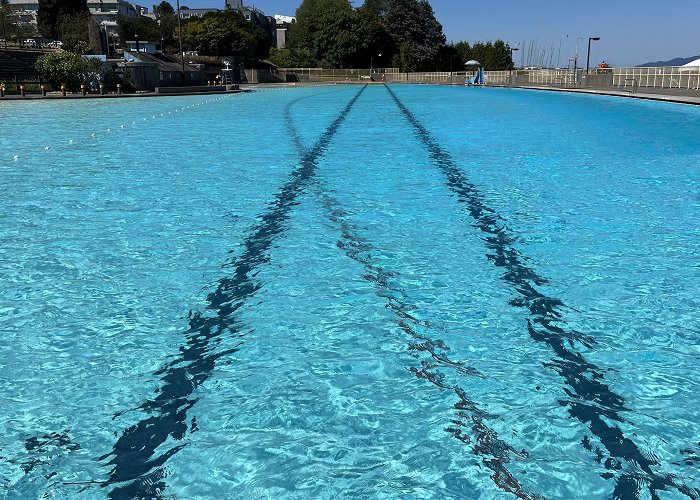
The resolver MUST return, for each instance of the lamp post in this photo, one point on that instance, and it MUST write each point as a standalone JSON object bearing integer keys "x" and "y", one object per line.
{"x": 512, "y": 61}
{"x": 576, "y": 61}
{"x": 588, "y": 59}
{"x": 371, "y": 61}
{"x": 179, "y": 36}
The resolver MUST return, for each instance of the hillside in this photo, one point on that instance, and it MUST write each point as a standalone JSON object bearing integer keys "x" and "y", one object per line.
{"x": 678, "y": 61}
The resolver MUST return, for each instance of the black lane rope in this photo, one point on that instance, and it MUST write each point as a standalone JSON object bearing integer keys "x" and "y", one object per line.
{"x": 133, "y": 457}
{"x": 494, "y": 452}
{"x": 589, "y": 399}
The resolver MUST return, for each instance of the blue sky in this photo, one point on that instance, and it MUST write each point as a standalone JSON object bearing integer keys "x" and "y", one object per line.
{"x": 632, "y": 31}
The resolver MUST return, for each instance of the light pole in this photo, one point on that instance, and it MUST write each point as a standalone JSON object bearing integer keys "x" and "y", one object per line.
{"x": 576, "y": 61}
{"x": 371, "y": 61}
{"x": 179, "y": 36}
{"x": 512, "y": 61}
{"x": 588, "y": 59}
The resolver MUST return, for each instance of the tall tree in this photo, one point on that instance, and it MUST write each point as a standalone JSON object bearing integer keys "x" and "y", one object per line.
{"x": 378, "y": 43}
{"x": 416, "y": 32}
{"x": 53, "y": 13}
{"x": 164, "y": 9}
{"x": 146, "y": 28}
{"x": 311, "y": 17}
{"x": 226, "y": 33}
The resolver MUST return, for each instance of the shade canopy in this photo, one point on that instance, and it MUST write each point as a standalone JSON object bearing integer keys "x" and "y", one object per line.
{"x": 472, "y": 62}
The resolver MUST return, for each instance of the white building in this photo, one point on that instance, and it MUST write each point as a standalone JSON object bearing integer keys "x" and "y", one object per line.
{"x": 105, "y": 12}
{"x": 26, "y": 9}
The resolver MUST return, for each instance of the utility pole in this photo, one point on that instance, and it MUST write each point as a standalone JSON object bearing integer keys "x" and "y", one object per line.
{"x": 182, "y": 56}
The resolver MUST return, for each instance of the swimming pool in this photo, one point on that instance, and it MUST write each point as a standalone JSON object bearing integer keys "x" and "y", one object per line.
{"x": 390, "y": 292}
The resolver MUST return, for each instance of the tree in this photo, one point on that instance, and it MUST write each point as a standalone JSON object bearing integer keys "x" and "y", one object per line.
{"x": 53, "y": 13}
{"x": 226, "y": 33}
{"x": 305, "y": 35}
{"x": 416, "y": 32}
{"x": 375, "y": 36}
{"x": 164, "y": 9}
{"x": 282, "y": 58}
{"x": 146, "y": 28}
{"x": 69, "y": 68}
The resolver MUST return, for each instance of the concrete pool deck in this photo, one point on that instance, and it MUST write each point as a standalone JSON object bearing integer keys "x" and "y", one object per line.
{"x": 658, "y": 96}
{"x": 113, "y": 95}
{"x": 677, "y": 98}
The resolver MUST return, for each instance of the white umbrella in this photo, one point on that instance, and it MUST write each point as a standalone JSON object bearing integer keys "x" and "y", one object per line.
{"x": 472, "y": 62}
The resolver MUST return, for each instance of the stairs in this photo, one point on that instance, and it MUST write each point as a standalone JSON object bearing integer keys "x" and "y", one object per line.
{"x": 17, "y": 65}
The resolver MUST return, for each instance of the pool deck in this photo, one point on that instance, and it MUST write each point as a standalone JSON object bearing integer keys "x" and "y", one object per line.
{"x": 111, "y": 95}
{"x": 681, "y": 99}
{"x": 675, "y": 98}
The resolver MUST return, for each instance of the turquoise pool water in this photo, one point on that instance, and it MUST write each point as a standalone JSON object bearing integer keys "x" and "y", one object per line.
{"x": 380, "y": 292}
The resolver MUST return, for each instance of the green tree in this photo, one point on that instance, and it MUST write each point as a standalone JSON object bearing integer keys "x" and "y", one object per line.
{"x": 282, "y": 58}
{"x": 338, "y": 40}
{"x": 164, "y": 9}
{"x": 416, "y": 33}
{"x": 226, "y": 33}
{"x": 69, "y": 68}
{"x": 146, "y": 28}
{"x": 74, "y": 31}
{"x": 464, "y": 52}
{"x": 310, "y": 30}
{"x": 376, "y": 38}
{"x": 52, "y": 14}
{"x": 493, "y": 56}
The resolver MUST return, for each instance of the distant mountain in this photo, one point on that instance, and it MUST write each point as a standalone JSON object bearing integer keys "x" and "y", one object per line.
{"x": 678, "y": 61}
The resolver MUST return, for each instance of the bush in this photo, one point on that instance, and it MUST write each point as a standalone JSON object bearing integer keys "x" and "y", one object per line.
{"x": 70, "y": 69}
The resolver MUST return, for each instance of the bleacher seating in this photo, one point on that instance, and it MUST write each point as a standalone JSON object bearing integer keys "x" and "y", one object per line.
{"x": 19, "y": 65}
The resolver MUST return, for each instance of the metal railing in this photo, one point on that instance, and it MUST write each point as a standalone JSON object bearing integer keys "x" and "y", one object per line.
{"x": 666, "y": 77}
{"x": 339, "y": 75}
{"x": 428, "y": 77}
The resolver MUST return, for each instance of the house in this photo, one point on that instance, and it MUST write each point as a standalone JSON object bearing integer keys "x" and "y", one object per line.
{"x": 150, "y": 70}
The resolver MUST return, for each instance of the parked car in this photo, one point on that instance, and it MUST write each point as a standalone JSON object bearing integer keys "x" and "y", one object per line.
{"x": 29, "y": 42}
{"x": 56, "y": 44}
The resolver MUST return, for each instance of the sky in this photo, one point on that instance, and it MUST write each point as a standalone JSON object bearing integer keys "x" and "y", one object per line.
{"x": 631, "y": 32}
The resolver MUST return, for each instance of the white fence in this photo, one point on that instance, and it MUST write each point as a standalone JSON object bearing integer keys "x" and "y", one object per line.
{"x": 667, "y": 77}
{"x": 685, "y": 78}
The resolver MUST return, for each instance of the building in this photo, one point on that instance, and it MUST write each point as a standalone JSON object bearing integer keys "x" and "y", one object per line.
{"x": 190, "y": 13}
{"x": 257, "y": 17}
{"x": 150, "y": 70}
{"x": 26, "y": 10}
{"x": 104, "y": 12}
{"x": 283, "y": 24}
